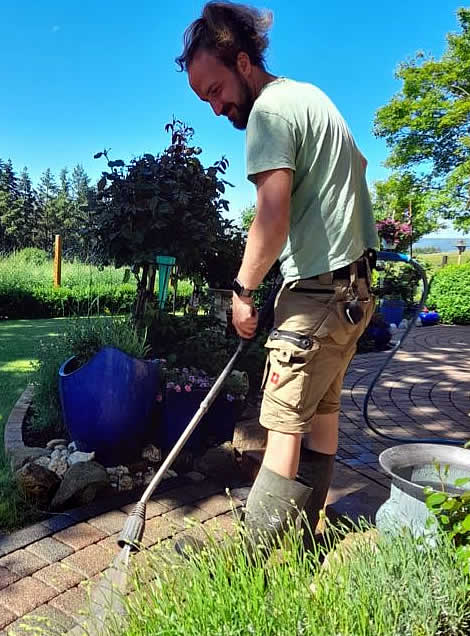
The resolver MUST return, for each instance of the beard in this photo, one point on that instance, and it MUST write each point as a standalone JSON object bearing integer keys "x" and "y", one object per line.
{"x": 239, "y": 113}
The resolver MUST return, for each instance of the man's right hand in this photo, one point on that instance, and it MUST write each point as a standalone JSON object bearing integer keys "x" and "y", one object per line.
{"x": 244, "y": 316}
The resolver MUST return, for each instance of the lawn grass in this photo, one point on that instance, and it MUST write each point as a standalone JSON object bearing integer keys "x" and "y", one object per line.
{"x": 435, "y": 260}
{"x": 19, "y": 346}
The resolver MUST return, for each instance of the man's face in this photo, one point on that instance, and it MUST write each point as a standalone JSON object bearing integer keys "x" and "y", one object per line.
{"x": 226, "y": 90}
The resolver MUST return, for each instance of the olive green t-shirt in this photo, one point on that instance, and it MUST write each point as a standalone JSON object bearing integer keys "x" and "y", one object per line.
{"x": 295, "y": 125}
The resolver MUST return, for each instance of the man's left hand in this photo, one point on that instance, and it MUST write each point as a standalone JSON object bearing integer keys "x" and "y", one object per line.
{"x": 244, "y": 316}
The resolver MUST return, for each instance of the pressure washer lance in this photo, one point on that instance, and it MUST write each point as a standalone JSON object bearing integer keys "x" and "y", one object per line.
{"x": 133, "y": 529}
{"x": 397, "y": 257}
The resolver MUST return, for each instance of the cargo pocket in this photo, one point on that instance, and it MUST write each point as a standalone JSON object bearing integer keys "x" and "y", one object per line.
{"x": 337, "y": 326}
{"x": 286, "y": 371}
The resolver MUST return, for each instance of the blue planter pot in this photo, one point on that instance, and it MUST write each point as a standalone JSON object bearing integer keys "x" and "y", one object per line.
{"x": 109, "y": 403}
{"x": 392, "y": 310}
{"x": 177, "y": 411}
{"x": 220, "y": 420}
{"x": 216, "y": 426}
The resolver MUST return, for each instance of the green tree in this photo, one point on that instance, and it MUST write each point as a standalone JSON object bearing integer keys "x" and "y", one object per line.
{"x": 426, "y": 125}
{"x": 47, "y": 210}
{"x": 247, "y": 216}
{"x": 28, "y": 200}
{"x": 10, "y": 207}
{"x": 83, "y": 202}
{"x": 168, "y": 204}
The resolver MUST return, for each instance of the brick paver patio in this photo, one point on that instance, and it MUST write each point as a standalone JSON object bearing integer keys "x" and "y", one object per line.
{"x": 424, "y": 393}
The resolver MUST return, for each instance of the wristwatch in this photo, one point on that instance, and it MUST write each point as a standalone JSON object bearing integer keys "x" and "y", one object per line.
{"x": 240, "y": 290}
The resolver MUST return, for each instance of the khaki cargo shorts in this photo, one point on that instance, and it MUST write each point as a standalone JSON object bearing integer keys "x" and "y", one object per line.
{"x": 309, "y": 350}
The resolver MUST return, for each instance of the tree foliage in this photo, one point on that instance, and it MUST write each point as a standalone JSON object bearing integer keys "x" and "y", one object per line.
{"x": 30, "y": 217}
{"x": 403, "y": 198}
{"x": 426, "y": 125}
{"x": 165, "y": 204}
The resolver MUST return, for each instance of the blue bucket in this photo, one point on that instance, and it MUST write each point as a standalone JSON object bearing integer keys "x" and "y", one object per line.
{"x": 392, "y": 310}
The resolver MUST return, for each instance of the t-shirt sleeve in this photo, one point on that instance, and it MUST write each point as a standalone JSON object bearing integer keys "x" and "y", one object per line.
{"x": 270, "y": 143}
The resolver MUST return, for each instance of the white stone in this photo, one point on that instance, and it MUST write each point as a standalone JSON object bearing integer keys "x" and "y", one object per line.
{"x": 64, "y": 453}
{"x": 80, "y": 456}
{"x": 152, "y": 454}
{"x": 59, "y": 466}
{"x": 126, "y": 483}
{"x": 56, "y": 442}
{"x": 55, "y": 454}
{"x": 72, "y": 447}
{"x": 195, "y": 476}
{"x": 43, "y": 461}
{"x": 169, "y": 474}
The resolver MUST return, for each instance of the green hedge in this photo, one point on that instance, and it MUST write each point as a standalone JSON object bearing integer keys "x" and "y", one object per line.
{"x": 450, "y": 294}
{"x": 49, "y": 302}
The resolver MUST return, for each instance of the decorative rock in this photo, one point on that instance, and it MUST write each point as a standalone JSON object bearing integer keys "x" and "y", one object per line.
{"x": 184, "y": 462}
{"x": 43, "y": 461}
{"x": 125, "y": 483}
{"x": 82, "y": 478}
{"x": 220, "y": 463}
{"x": 37, "y": 483}
{"x": 21, "y": 456}
{"x": 56, "y": 442}
{"x": 72, "y": 447}
{"x": 149, "y": 476}
{"x": 195, "y": 476}
{"x": 152, "y": 454}
{"x": 79, "y": 456}
{"x": 59, "y": 466}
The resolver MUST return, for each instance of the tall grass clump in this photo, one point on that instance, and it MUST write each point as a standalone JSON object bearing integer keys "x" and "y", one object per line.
{"x": 27, "y": 291}
{"x": 383, "y": 587}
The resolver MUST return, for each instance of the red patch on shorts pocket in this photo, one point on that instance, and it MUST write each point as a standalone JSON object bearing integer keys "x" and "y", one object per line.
{"x": 275, "y": 378}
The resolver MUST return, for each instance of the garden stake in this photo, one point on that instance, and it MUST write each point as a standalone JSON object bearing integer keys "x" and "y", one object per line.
{"x": 107, "y": 598}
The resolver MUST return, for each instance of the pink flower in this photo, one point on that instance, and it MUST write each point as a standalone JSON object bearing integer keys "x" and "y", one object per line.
{"x": 187, "y": 388}
{"x": 177, "y": 388}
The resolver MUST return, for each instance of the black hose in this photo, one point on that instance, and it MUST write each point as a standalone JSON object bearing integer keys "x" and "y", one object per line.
{"x": 403, "y": 258}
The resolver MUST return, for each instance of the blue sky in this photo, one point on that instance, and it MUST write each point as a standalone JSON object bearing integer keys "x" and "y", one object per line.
{"x": 78, "y": 77}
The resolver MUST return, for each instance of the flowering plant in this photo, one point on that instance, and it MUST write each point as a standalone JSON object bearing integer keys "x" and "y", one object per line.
{"x": 394, "y": 232}
{"x": 186, "y": 380}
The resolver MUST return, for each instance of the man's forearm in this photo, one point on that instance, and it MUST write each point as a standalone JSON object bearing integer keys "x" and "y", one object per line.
{"x": 266, "y": 239}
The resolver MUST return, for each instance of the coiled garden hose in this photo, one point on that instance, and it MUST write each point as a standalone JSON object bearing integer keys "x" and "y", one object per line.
{"x": 396, "y": 257}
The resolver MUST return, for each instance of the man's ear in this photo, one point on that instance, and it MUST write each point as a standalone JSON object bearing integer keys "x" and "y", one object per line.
{"x": 244, "y": 66}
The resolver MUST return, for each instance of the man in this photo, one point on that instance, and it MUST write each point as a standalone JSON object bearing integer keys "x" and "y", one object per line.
{"x": 313, "y": 213}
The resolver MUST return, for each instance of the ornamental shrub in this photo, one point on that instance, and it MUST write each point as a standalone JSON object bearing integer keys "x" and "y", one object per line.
{"x": 450, "y": 294}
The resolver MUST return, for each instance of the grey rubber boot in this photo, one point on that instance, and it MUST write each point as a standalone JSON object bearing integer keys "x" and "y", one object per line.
{"x": 316, "y": 471}
{"x": 273, "y": 502}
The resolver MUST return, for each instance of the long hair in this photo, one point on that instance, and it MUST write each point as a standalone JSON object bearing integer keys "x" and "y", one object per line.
{"x": 225, "y": 29}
